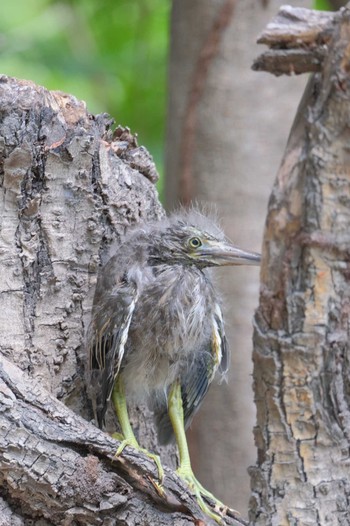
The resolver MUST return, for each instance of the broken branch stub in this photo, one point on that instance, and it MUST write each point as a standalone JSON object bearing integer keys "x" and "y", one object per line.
{"x": 298, "y": 39}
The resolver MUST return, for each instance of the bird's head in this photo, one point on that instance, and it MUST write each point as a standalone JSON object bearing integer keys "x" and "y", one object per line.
{"x": 191, "y": 238}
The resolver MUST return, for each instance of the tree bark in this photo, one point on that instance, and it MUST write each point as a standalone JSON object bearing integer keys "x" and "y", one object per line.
{"x": 227, "y": 128}
{"x": 301, "y": 337}
{"x": 69, "y": 188}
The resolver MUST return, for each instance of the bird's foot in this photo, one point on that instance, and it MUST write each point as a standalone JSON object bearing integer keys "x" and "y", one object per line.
{"x": 118, "y": 436}
{"x": 132, "y": 442}
{"x": 220, "y": 510}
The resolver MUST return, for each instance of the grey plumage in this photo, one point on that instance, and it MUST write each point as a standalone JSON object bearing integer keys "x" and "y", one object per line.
{"x": 156, "y": 317}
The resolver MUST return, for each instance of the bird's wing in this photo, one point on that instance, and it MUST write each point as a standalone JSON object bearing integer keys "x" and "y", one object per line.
{"x": 195, "y": 384}
{"x": 108, "y": 335}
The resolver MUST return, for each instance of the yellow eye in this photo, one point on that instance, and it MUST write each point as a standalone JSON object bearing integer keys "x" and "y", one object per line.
{"x": 195, "y": 242}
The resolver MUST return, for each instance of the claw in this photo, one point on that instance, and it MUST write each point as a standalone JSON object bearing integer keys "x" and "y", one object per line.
{"x": 156, "y": 459}
{"x": 186, "y": 474}
{"x": 117, "y": 436}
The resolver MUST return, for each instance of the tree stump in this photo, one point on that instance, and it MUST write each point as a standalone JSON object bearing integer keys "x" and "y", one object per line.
{"x": 70, "y": 187}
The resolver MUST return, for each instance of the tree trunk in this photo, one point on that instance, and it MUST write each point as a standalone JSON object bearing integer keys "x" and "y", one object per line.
{"x": 69, "y": 188}
{"x": 301, "y": 349}
{"x": 227, "y": 128}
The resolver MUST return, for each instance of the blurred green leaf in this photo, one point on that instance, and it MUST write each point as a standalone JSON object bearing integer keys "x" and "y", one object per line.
{"x": 110, "y": 53}
{"x": 322, "y": 5}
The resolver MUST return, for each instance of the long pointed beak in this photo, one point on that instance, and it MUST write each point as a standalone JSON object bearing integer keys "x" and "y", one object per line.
{"x": 226, "y": 254}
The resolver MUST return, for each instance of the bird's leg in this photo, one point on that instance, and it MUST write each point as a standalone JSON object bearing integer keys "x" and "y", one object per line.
{"x": 184, "y": 470}
{"x": 127, "y": 436}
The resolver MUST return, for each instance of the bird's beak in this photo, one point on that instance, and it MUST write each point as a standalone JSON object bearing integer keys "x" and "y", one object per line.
{"x": 226, "y": 254}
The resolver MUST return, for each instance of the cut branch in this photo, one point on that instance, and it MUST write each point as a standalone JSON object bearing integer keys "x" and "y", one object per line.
{"x": 298, "y": 39}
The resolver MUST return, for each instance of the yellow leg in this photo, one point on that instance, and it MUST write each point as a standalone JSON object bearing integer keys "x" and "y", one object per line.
{"x": 184, "y": 470}
{"x": 128, "y": 437}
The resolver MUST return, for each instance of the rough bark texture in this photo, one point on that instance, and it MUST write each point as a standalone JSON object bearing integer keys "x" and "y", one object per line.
{"x": 69, "y": 188}
{"x": 301, "y": 350}
{"x": 237, "y": 124}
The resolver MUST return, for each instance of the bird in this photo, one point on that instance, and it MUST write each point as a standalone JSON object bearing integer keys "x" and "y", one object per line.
{"x": 157, "y": 331}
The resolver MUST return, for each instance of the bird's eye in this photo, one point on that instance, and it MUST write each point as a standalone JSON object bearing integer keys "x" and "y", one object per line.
{"x": 195, "y": 242}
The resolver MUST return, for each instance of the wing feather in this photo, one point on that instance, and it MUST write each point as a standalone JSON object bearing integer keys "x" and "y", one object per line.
{"x": 108, "y": 335}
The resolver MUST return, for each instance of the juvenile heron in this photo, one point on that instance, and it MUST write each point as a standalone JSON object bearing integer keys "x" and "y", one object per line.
{"x": 157, "y": 331}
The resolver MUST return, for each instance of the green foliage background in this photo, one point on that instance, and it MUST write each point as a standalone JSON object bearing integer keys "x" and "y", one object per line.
{"x": 322, "y": 5}
{"x": 110, "y": 53}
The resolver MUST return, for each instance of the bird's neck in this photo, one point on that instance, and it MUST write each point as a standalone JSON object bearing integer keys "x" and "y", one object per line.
{"x": 181, "y": 279}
